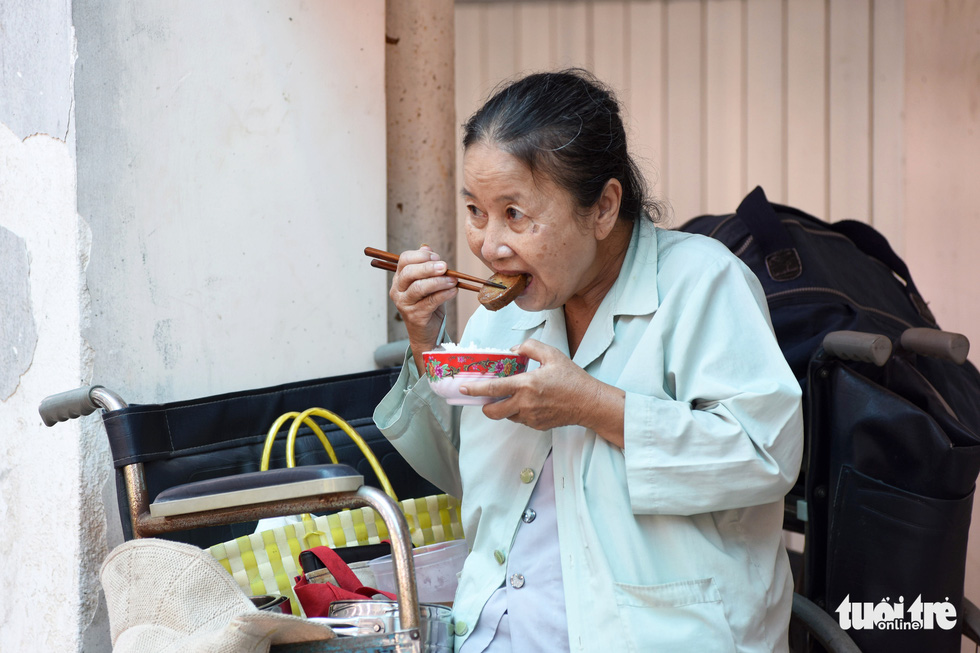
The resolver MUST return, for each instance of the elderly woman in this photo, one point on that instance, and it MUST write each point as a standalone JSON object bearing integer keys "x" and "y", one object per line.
{"x": 626, "y": 493}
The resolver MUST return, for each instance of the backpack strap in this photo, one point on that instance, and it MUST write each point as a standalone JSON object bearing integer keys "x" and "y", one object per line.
{"x": 872, "y": 243}
{"x": 782, "y": 260}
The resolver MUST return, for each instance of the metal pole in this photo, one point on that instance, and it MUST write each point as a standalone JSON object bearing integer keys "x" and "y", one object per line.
{"x": 401, "y": 554}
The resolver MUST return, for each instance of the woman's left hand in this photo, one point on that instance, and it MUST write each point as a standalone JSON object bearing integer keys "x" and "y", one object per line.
{"x": 558, "y": 393}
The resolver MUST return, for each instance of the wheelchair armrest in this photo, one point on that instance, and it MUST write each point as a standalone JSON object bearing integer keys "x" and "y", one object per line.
{"x": 255, "y": 487}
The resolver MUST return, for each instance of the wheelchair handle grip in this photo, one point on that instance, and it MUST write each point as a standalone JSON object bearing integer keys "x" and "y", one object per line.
{"x": 77, "y": 403}
{"x": 940, "y": 344}
{"x": 858, "y": 346}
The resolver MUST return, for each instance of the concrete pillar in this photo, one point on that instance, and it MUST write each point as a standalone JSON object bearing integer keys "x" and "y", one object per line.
{"x": 422, "y": 133}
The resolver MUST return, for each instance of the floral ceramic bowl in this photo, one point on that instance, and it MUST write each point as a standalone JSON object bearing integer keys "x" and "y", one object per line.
{"x": 448, "y": 370}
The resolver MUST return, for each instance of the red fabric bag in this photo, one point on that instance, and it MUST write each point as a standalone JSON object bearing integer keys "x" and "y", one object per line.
{"x": 317, "y": 597}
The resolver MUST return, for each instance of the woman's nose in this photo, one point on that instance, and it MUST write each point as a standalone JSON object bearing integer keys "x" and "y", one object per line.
{"x": 494, "y": 244}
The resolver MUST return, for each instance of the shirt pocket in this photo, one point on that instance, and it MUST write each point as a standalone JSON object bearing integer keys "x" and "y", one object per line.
{"x": 674, "y": 617}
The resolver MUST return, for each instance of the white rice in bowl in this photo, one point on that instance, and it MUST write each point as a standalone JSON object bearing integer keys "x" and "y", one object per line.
{"x": 471, "y": 348}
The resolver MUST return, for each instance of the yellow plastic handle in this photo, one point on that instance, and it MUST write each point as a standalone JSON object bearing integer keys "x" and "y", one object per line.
{"x": 290, "y": 459}
{"x": 346, "y": 428}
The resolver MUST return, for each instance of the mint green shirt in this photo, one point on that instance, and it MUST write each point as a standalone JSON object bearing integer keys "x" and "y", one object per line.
{"x": 674, "y": 542}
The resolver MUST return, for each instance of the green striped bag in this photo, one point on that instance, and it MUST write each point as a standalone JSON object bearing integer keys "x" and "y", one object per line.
{"x": 267, "y": 562}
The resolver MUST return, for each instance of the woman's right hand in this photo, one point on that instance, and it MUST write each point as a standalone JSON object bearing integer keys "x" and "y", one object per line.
{"x": 420, "y": 291}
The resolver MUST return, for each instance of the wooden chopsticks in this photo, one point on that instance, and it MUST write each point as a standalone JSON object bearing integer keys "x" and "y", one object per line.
{"x": 391, "y": 267}
{"x": 387, "y": 261}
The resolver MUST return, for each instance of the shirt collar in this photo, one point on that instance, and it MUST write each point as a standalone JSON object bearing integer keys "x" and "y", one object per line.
{"x": 633, "y": 293}
{"x": 635, "y": 290}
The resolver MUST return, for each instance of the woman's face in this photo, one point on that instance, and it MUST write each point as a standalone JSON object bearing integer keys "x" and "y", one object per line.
{"x": 517, "y": 223}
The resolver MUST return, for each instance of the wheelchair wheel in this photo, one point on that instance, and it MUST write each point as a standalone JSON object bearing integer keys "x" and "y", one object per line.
{"x": 811, "y": 630}
{"x": 971, "y": 622}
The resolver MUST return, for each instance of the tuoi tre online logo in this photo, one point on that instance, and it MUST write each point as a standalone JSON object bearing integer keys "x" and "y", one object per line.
{"x": 883, "y": 615}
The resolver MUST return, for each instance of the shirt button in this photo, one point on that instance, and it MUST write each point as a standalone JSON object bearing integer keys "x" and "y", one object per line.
{"x": 461, "y": 628}
{"x": 499, "y": 556}
{"x": 517, "y": 581}
{"x": 529, "y": 516}
{"x": 527, "y": 475}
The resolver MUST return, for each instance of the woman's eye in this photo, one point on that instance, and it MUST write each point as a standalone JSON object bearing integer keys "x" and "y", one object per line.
{"x": 475, "y": 212}
{"x": 514, "y": 214}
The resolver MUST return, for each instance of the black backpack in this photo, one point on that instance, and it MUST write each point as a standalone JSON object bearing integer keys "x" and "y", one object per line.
{"x": 821, "y": 277}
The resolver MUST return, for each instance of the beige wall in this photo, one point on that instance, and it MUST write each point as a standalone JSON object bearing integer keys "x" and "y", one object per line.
{"x": 832, "y": 106}
{"x": 847, "y": 109}
{"x": 942, "y": 160}
{"x": 802, "y": 97}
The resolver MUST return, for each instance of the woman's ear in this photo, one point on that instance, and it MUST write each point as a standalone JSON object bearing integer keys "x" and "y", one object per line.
{"x": 609, "y": 201}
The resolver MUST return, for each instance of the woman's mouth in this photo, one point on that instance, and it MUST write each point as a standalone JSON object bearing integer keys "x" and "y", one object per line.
{"x": 513, "y": 273}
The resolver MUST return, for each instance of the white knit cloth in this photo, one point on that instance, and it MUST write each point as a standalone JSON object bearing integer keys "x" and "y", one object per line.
{"x": 170, "y": 597}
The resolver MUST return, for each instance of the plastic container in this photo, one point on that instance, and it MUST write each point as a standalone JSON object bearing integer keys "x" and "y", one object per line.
{"x": 436, "y": 571}
{"x": 436, "y": 622}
